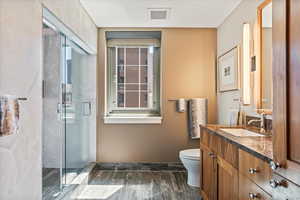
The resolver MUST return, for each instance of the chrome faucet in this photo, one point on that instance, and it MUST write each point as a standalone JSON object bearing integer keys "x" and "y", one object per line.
{"x": 262, "y": 121}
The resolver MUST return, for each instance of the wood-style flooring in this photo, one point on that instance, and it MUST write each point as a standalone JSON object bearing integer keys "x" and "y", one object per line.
{"x": 122, "y": 182}
{"x": 125, "y": 184}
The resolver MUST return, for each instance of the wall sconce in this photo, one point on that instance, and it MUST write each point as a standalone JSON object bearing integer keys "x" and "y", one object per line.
{"x": 246, "y": 64}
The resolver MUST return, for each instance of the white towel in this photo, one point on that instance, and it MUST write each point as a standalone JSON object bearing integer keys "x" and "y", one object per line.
{"x": 181, "y": 105}
{"x": 9, "y": 115}
{"x": 197, "y": 116}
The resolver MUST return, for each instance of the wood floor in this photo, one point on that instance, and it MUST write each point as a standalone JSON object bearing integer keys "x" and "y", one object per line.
{"x": 135, "y": 185}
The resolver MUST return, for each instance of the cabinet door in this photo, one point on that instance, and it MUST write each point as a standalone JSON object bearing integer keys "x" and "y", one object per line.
{"x": 227, "y": 180}
{"x": 286, "y": 73}
{"x": 209, "y": 175}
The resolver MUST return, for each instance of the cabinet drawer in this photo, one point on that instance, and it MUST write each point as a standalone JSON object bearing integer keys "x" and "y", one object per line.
{"x": 255, "y": 169}
{"x": 249, "y": 190}
{"x": 283, "y": 188}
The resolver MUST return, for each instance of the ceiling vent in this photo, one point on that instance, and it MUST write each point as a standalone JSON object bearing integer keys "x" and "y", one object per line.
{"x": 159, "y": 14}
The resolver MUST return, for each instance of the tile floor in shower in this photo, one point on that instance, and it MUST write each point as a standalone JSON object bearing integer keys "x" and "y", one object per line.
{"x": 51, "y": 181}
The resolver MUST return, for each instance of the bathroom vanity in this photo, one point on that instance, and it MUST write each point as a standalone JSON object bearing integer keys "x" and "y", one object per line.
{"x": 238, "y": 167}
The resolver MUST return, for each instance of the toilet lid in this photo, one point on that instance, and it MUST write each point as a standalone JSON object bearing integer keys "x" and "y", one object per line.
{"x": 190, "y": 153}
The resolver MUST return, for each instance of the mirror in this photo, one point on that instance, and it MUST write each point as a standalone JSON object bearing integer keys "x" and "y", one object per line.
{"x": 264, "y": 58}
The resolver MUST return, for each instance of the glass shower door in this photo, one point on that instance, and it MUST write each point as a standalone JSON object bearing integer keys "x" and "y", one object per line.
{"x": 66, "y": 107}
{"x": 52, "y": 124}
{"x": 76, "y": 112}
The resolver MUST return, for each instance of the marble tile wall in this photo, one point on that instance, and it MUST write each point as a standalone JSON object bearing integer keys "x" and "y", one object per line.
{"x": 51, "y": 126}
{"x": 21, "y": 75}
{"x": 76, "y": 18}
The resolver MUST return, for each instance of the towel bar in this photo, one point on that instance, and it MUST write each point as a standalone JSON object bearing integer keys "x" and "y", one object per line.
{"x": 177, "y": 99}
{"x": 22, "y": 99}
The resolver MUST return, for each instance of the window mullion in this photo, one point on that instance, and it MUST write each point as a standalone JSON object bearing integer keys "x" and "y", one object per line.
{"x": 139, "y": 69}
{"x": 150, "y": 78}
{"x": 125, "y": 74}
{"x": 117, "y": 76}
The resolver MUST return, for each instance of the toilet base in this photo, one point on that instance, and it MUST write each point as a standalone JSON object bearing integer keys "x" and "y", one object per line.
{"x": 191, "y": 161}
{"x": 194, "y": 179}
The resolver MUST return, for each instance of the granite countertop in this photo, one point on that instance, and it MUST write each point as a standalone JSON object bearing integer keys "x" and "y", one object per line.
{"x": 261, "y": 147}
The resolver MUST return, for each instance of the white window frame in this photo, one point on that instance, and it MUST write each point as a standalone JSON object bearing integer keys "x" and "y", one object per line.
{"x": 130, "y": 118}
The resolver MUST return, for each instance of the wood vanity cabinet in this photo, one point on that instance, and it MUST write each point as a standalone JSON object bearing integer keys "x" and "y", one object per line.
{"x": 226, "y": 171}
{"x": 209, "y": 178}
{"x": 227, "y": 179}
{"x": 286, "y": 95}
{"x": 219, "y": 176}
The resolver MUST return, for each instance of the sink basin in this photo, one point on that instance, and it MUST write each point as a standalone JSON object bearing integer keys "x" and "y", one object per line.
{"x": 239, "y": 132}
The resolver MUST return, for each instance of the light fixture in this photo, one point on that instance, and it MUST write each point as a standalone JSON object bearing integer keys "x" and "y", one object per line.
{"x": 246, "y": 64}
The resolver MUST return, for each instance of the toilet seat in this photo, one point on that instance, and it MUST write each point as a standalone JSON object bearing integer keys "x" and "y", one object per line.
{"x": 193, "y": 154}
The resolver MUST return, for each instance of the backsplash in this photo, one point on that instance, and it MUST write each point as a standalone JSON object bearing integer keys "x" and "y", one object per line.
{"x": 257, "y": 124}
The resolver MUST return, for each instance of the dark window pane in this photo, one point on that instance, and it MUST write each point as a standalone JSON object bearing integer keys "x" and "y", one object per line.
{"x": 132, "y": 56}
{"x": 132, "y": 74}
{"x": 132, "y": 87}
{"x": 144, "y": 99}
{"x": 144, "y": 56}
{"x": 144, "y": 87}
{"x": 144, "y": 75}
{"x": 120, "y": 56}
{"x": 120, "y": 74}
{"x": 132, "y": 100}
{"x": 120, "y": 99}
{"x": 120, "y": 87}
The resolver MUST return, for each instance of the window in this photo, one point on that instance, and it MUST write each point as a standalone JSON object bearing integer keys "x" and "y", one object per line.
{"x": 133, "y": 77}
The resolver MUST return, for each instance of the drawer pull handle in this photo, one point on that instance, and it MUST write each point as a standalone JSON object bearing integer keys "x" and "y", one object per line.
{"x": 212, "y": 155}
{"x": 274, "y": 165}
{"x": 274, "y": 183}
{"x": 253, "y": 171}
{"x": 253, "y": 196}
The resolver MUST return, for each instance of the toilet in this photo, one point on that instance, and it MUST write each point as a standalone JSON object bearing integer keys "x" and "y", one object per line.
{"x": 191, "y": 161}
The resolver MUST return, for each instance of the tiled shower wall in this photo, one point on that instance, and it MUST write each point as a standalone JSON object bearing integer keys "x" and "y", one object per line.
{"x": 21, "y": 75}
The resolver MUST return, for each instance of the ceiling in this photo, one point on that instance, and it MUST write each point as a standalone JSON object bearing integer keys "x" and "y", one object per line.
{"x": 183, "y": 13}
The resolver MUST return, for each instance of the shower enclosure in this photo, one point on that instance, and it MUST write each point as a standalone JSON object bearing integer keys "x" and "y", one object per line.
{"x": 66, "y": 111}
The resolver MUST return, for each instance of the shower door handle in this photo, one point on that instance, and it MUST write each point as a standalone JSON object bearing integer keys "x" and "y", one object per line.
{"x": 58, "y": 108}
{"x": 43, "y": 89}
{"x": 87, "y": 108}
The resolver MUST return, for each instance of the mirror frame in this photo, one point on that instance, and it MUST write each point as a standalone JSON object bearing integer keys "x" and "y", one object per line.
{"x": 258, "y": 54}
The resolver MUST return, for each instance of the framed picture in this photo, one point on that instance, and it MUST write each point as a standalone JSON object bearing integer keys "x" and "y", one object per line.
{"x": 228, "y": 70}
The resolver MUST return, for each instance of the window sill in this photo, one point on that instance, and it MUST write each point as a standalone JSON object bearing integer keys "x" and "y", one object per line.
{"x": 132, "y": 120}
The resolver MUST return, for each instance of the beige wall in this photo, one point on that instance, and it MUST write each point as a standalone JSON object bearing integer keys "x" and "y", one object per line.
{"x": 21, "y": 75}
{"x": 230, "y": 34}
{"x": 188, "y": 71}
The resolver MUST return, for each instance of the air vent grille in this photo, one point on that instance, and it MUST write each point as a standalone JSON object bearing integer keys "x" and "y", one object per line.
{"x": 158, "y": 14}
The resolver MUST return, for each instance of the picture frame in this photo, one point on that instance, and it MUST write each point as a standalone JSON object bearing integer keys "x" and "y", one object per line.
{"x": 229, "y": 70}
